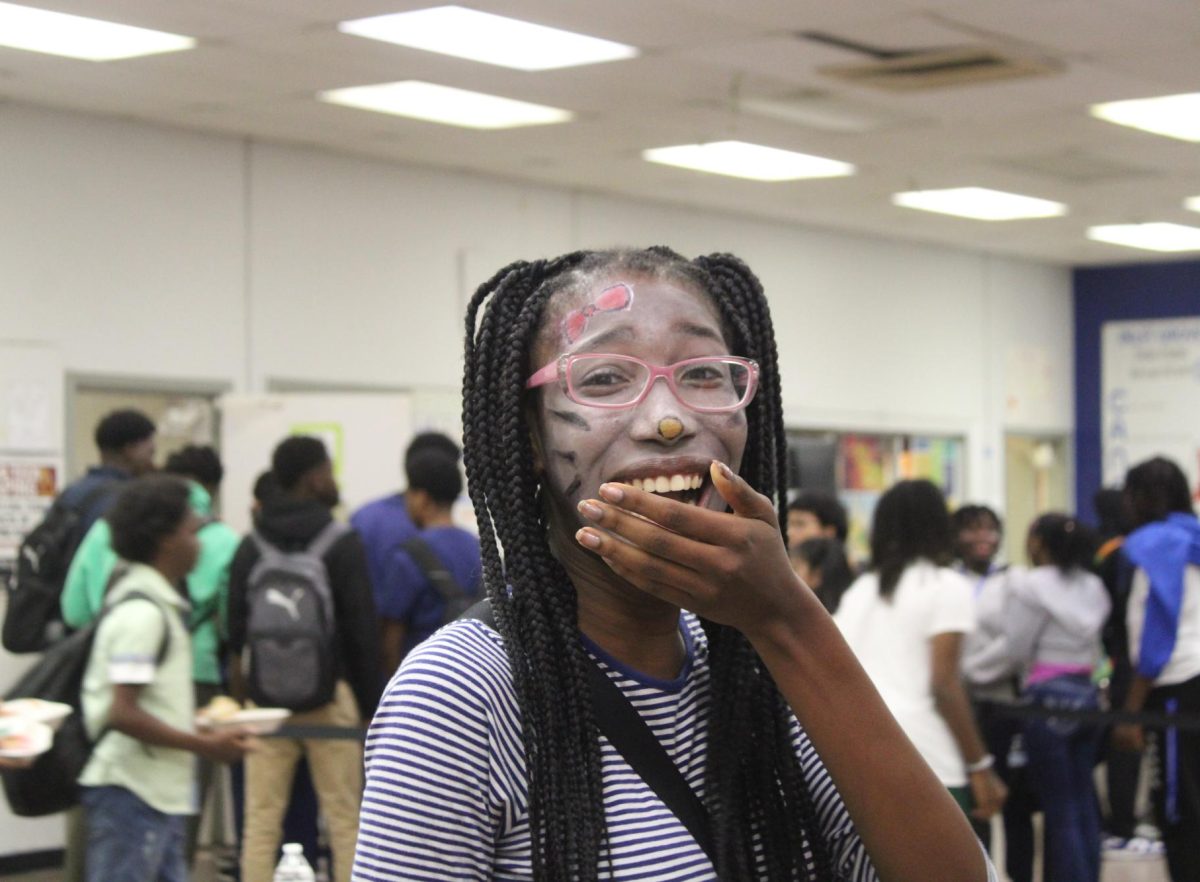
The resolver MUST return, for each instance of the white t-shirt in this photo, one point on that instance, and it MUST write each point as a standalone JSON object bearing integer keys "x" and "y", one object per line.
{"x": 891, "y": 639}
{"x": 1184, "y": 663}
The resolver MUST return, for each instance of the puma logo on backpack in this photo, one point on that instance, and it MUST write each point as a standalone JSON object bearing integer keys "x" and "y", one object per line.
{"x": 291, "y": 630}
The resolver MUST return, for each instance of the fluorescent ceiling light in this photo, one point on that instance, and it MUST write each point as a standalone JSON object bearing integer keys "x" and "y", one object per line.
{"x": 1151, "y": 237}
{"x": 1176, "y": 116}
{"x": 56, "y": 33}
{"x": 493, "y": 39}
{"x": 442, "y": 104}
{"x": 979, "y": 203}
{"x": 741, "y": 160}
{"x": 1192, "y": 203}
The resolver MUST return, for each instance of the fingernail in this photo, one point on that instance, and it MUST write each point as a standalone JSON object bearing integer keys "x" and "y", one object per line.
{"x": 588, "y": 538}
{"x": 590, "y": 510}
{"x": 612, "y": 492}
{"x": 726, "y": 471}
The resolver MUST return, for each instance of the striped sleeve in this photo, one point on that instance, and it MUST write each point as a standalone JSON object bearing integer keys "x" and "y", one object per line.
{"x": 443, "y": 766}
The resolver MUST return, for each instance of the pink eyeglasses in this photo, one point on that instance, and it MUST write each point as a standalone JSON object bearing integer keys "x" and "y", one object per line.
{"x": 710, "y": 384}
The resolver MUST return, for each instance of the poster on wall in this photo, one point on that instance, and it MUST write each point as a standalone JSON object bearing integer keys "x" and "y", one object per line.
{"x": 1151, "y": 395}
{"x": 27, "y": 489}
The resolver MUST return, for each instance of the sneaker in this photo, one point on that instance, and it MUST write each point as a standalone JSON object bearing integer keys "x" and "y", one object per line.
{"x": 1138, "y": 848}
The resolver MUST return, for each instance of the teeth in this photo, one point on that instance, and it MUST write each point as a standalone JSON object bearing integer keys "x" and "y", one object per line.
{"x": 668, "y": 483}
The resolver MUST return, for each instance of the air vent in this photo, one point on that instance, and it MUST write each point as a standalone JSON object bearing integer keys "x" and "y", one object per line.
{"x": 938, "y": 68}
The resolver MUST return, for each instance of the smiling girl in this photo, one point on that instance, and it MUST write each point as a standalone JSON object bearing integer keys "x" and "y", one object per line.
{"x": 625, "y": 454}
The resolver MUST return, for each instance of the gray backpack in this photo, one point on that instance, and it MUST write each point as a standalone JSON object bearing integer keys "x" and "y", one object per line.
{"x": 291, "y": 631}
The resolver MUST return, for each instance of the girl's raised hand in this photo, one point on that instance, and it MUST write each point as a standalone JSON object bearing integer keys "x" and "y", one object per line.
{"x": 730, "y": 568}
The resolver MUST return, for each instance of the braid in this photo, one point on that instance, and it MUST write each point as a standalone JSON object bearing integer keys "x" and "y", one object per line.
{"x": 763, "y": 813}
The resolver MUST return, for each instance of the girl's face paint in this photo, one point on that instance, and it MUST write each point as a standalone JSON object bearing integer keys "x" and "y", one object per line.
{"x": 575, "y": 322}
{"x": 665, "y": 324}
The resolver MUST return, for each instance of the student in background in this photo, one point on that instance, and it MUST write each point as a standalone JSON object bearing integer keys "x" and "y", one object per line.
{"x": 290, "y": 522}
{"x": 821, "y": 563}
{"x": 1053, "y": 618}
{"x": 993, "y": 683}
{"x": 384, "y": 524}
{"x": 814, "y": 514}
{"x": 1164, "y": 645}
{"x": 906, "y": 619}
{"x": 410, "y": 606}
{"x": 139, "y": 785}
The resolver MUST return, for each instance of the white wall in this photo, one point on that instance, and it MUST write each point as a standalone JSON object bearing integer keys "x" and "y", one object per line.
{"x": 153, "y": 252}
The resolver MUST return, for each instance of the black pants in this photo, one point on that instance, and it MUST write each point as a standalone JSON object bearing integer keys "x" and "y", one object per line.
{"x": 998, "y": 732}
{"x": 1122, "y": 768}
{"x": 1177, "y": 780}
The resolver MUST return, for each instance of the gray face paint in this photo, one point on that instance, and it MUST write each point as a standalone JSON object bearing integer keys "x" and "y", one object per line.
{"x": 573, "y": 418}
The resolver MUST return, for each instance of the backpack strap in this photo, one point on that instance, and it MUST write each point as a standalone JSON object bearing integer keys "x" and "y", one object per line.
{"x": 439, "y": 576}
{"x": 326, "y": 539}
{"x": 625, "y": 729}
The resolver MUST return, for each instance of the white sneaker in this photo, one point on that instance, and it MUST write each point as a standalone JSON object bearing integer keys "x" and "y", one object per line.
{"x": 1139, "y": 848}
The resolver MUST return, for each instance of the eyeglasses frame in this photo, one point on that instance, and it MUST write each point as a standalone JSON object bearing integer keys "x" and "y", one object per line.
{"x": 559, "y": 369}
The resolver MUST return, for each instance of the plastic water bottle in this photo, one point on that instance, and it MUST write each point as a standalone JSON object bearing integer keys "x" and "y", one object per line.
{"x": 292, "y": 866}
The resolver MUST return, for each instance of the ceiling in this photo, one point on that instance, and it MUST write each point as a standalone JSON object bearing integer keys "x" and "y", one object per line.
{"x": 704, "y": 65}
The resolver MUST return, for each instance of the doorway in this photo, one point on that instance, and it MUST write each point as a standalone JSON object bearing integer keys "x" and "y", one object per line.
{"x": 1037, "y": 480}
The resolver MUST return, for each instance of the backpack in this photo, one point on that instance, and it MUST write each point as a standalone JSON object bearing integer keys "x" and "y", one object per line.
{"x": 33, "y": 620}
{"x": 453, "y": 594}
{"x": 291, "y": 632}
{"x": 50, "y": 785}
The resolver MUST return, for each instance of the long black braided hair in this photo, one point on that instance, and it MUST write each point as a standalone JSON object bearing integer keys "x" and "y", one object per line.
{"x": 764, "y": 819}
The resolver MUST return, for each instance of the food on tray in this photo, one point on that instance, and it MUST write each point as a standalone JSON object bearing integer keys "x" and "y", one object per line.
{"x": 220, "y": 709}
{"x": 27, "y": 741}
{"x": 35, "y": 710}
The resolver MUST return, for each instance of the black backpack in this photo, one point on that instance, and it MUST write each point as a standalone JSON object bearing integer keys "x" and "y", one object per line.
{"x": 50, "y": 785}
{"x": 291, "y": 631}
{"x": 33, "y": 619}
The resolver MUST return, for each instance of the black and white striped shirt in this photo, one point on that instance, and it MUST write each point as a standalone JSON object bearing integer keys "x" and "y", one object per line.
{"x": 446, "y": 793}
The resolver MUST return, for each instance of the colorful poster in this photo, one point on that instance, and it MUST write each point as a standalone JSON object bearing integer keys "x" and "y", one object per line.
{"x": 27, "y": 489}
{"x": 864, "y": 463}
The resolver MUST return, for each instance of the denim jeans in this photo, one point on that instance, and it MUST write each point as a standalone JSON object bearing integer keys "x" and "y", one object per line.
{"x": 1062, "y": 753}
{"x": 129, "y": 841}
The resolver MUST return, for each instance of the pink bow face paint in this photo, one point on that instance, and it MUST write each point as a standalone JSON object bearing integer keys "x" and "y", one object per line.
{"x": 657, "y": 438}
{"x": 618, "y": 297}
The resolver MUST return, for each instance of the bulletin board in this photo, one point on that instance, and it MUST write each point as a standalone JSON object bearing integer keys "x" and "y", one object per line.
{"x": 1150, "y": 395}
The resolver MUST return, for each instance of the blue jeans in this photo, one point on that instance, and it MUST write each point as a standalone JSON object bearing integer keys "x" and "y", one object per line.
{"x": 129, "y": 841}
{"x": 1062, "y": 754}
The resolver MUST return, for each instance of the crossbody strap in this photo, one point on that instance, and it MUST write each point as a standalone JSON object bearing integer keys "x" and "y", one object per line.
{"x": 439, "y": 575}
{"x": 625, "y": 729}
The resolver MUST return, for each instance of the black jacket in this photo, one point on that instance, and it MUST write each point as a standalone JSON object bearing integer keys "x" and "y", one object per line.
{"x": 290, "y": 525}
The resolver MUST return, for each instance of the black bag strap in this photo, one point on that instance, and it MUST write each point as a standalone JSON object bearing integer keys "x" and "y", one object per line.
{"x": 439, "y": 576}
{"x": 628, "y": 733}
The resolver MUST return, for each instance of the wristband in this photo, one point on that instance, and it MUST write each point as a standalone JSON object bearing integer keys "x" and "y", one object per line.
{"x": 982, "y": 764}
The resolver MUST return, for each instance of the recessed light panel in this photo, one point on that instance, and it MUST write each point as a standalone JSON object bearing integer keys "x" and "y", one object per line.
{"x": 739, "y": 159}
{"x": 1192, "y": 203}
{"x": 979, "y": 203}
{"x": 73, "y": 36}
{"x": 1149, "y": 237}
{"x": 493, "y": 39}
{"x": 442, "y": 104}
{"x": 1176, "y": 116}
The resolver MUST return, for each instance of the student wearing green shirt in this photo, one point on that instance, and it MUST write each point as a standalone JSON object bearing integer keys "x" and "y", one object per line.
{"x": 95, "y": 560}
{"x": 139, "y": 785}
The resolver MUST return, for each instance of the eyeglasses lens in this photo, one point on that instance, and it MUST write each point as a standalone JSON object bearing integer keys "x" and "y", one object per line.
{"x": 709, "y": 384}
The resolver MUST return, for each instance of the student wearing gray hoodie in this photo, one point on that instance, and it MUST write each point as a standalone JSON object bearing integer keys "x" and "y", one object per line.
{"x": 1053, "y": 619}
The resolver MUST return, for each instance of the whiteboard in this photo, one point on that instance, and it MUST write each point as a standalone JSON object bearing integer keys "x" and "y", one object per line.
{"x": 1151, "y": 395}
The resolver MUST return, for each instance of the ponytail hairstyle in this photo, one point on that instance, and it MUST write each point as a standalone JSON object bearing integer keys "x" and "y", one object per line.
{"x": 911, "y": 522}
{"x": 1068, "y": 543}
{"x": 763, "y": 814}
